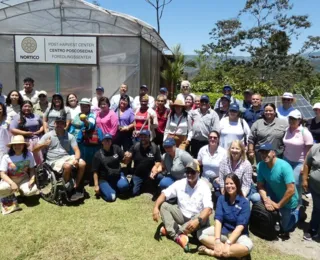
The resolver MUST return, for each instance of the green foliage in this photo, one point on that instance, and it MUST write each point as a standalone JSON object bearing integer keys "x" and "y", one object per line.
{"x": 215, "y": 96}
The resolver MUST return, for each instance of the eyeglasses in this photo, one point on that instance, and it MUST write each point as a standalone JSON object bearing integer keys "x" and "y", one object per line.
{"x": 184, "y": 87}
{"x": 190, "y": 171}
{"x": 213, "y": 137}
{"x": 287, "y": 99}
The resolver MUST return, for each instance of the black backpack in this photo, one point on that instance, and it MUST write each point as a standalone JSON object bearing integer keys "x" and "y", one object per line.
{"x": 262, "y": 222}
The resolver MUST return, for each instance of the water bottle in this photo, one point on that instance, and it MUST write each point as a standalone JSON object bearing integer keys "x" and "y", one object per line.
{"x": 277, "y": 226}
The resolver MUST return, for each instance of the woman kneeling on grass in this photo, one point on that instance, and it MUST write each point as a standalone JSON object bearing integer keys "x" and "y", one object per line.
{"x": 229, "y": 236}
{"x": 17, "y": 169}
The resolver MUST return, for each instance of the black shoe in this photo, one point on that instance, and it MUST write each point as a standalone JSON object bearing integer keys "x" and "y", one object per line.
{"x": 310, "y": 234}
{"x": 302, "y": 214}
{"x": 284, "y": 235}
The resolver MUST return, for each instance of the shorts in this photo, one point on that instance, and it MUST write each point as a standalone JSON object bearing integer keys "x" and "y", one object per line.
{"x": 58, "y": 164}
{"x": 243, "y": 240}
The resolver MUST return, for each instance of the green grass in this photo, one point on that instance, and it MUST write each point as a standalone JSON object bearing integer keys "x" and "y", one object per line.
{"x": 96, "y": 230}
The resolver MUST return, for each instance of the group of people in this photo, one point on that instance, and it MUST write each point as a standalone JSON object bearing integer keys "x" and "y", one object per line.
{"x": 183, "y": 150}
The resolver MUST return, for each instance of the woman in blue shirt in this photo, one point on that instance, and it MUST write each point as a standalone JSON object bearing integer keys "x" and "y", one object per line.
{"x": 229, "y": 236}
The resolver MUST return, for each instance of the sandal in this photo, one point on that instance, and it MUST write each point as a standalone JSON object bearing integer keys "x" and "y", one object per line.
{"x": 203, "y": 250}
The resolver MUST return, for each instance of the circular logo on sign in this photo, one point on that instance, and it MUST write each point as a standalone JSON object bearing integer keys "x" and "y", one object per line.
{"x": 29, "y": 45}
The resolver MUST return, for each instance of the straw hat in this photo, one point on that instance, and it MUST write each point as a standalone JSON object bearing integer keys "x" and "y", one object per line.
{"x": 17, "y": 139}
{"x": 178, "y": 103}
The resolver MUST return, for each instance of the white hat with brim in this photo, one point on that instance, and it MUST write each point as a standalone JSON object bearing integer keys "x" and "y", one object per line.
{"x": 295, "y": 114}
{"x": 85, "y": 101}
{"x": 288, "y": 95}
{"x": 17, "y": 139}
{"x": 316, "y": 106}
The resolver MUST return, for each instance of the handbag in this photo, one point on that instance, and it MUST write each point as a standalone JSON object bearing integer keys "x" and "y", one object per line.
{"x": 90, "y": 137}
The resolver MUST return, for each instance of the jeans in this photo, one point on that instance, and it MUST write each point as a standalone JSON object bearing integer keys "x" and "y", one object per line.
{"x": 165, "y": 182}
{"x": 289, "y": 219}
{"x": 296, "y": 166}
{"x": 315, "y": 217}
{"x": 138, "y": 181}
{"x": 113, "y": 184}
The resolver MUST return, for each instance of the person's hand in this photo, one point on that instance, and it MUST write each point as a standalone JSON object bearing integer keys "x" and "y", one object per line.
{"x": 96, "y": 189}
{"x": 31, "y": 182}
{"x": 275, "y": 205}
{"x": 187, "y": 142}
{"x": 14, "y": 187}
{"x": 75, "y": 163}
{"x": 153, "y": 174}
{"x": 305, "y": 185}
{"x": 268, "y": 205}
{"x": 226, "y": 250}
{"x": 156, "y": 214}
{"x": 48, "y": 142}
{"x": 218, "y": 248}
{"x": 192, "y": 226}
{"x": 29, "y": 133}
{"x": 123, "y": 129}
{"x": 127, "y": 154}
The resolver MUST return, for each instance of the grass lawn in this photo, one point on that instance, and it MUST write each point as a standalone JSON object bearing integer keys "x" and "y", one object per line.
{"x": 96, "y": 230}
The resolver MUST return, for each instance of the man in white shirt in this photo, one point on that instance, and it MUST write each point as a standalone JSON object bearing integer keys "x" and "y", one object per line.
{"x": 28, "y": 93}
{"x": 185, "y": 88}
{"x": 143, "y": 91}
{"x": 192, "y": 212}
{"x": 2, "y": 97}
{"x": 95, "y": 100}
{"x": 284, "y": 110}
{"x": 114, "y": 102}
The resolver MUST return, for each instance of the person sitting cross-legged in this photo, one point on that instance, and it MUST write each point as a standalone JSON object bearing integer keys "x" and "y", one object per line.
{"x": 192, "y": 211}
{"x": 58, "y": 143}
{"x": 106, "y": 168}
{"x": 229, "y": 236}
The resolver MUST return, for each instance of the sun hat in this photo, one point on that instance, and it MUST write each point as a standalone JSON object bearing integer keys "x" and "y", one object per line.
{"x": 169, "y": 142}
{"x": 42, "y": 92}
{"x": 295, "y": 114}
{"x": 316, "y": 106}
{"x": 287, "y": 95}
{"x": 85, "y": 101}
{"x": 17, "y": 139}
{"x": 178, "y": 103}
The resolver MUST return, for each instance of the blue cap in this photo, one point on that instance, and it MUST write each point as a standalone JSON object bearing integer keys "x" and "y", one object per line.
{"x": 107, "y": 136}
{"x": 100, "y": 88}
{"x": 144, "y": 86}
{"x": 234, "y": 107}
{"x": 266, "y": 147}
{"x": 226, "y": 97}
{"x": 204, "y": 98}
{"x": 57, "y": 94}
{"x": 227, "y": 87}
{"x": 1, "y": 86}
{"x": 145, "y": 132}
{"x": 163, "y": 90}
{"x": 169, "y": 142}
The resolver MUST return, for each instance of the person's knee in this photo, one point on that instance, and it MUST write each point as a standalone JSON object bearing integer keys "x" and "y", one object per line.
{"x": 110, "y": 197}
{"x": 255, "y": 197}
{"x": 82, "y": 164}
{"x": 123, "y": 185}
{"x": 67, "y": 167}
{"x": 165, "y": 206}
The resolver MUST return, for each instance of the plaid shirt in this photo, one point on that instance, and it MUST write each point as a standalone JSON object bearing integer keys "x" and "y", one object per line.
{"x": 243, "y": 170}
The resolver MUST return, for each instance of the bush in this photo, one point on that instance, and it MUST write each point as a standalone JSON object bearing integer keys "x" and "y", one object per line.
{"x": 215, "y": 96}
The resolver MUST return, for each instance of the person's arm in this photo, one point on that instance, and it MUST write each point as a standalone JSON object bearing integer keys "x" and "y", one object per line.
{"x": 222, "y": 173}
{"x": 7, "y": 179}
{"x": 45, "y": 120}
{"x": 286, "y": 197}
{"x": 156, "y": 208}
{"x": 156, "y": 169}
{"x": 190, "y": 130}
{"x": 14, "y": 127}
{"x": 215, "y": 122}
{"x": 247, "y": 178}
{"x": 68, "y": 116}
{"x": 153, "y": 120}
{"x": 306, "y": 170}
{"x": 44, "y": 142}
{"x": 194, "y": 224}
{"x": 166, "y": 130}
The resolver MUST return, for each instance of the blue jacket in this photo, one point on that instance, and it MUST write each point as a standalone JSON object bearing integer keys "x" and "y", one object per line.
{"x": 252, "y": 116}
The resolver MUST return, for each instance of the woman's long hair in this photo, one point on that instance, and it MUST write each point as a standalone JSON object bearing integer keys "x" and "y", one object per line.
{"x": 173, "y": 111}
{"x": 8, "y": 100}
{"x": 236, "y": 181}
{"x": 23, "y": 121}
{"x": 24, "y": 151}
{"x": 67, "y": 99}
{"x": 242, "y": 147}
{"x": 126, "y": 98}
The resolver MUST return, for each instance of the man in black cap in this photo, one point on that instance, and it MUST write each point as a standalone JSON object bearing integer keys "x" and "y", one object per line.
{"x": 247, "y": 100}
{"x": 143, "y": 91}
{"x": 59, "y": 143}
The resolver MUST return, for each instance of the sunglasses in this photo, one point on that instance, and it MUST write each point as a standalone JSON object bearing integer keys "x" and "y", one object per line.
{"x": 213, "y": 138}
{"x": 287, "y": 99}
{"x": 190, "y": 171}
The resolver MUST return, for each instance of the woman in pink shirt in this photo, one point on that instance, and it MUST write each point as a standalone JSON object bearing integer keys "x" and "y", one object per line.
{"x": 297, "y": 140}
{"x": 107, "y": 119}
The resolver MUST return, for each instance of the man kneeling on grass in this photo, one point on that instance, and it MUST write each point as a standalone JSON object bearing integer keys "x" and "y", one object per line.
{"x": 192, "y": 212}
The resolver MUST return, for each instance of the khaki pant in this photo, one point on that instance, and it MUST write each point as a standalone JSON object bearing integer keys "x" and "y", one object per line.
{"x": 174, "y": 221}
{"x": 22, "y": 183}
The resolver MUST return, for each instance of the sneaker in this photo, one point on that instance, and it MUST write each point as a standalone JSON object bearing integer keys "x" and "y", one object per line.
{"x": 77, "y": 196}
{"x": 302, "y": 213}
{"x": 163, "y": 231}
{"x": 183, "y": 241}
{"x": 284, "y": 235}
{"x": 310, "y": 234}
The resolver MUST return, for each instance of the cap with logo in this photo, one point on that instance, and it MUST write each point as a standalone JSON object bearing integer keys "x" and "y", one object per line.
{"x": 227, "y": 87}
{"x": 204, "y": 98}
{"x": 266, "y": 147}
{"x": 194, "y": 166}
{"x": 234, "y": 107}
{"x": 107, "y": 136}
{"x": 100, "y": 88}
{"x": 145, "y": 132}
{"x": 169, "y": 142}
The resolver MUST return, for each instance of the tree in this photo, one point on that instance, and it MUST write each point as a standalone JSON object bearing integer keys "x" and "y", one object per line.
{"x": 159, "y": 5}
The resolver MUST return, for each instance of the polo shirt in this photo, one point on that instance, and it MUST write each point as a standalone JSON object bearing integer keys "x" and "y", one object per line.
{"x": 176, "y": 167}
{"x": 276, "y": 179}
{"x": 33, "y": 96}
{"x": 252, "y": 116}
{"x": 233, "y": 215}
{"x": 59, "y": 146}
{"x": 296, "y": 143}
{"x": 144, "y": 159}
{"x": 204, "y": 124}
{"x": 313, "y": 161}
{"x": 104, "y": 160}
{"x": 191, "y": 201}
{"x": 211, "y": 163}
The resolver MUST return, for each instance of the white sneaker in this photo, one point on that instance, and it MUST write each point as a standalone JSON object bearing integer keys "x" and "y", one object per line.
{"x": 77, "y": 196}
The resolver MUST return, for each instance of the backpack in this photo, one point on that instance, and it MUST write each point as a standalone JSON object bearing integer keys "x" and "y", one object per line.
{"x": 262, "y": 222}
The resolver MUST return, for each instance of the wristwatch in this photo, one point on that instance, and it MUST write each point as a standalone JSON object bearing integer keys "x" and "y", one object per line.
{"x": 229, "y": 242}
{"x": 200, "y": 221}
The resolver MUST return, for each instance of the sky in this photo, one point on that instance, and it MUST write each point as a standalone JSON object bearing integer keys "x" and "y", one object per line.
{"x": 189, "y": 22}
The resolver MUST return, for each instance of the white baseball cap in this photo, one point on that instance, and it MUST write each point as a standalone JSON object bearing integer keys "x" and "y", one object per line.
{"x": 295, "y": 114}
{"x": 316, "y": 106}
{"x": 287, "y": 95}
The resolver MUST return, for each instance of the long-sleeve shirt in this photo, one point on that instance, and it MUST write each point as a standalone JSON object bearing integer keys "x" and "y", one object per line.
{"x": 204, "y": 124}
{"x": 108, "y": 123}
{"x": 184, "y": 127}
{"x": 243, "y": 170}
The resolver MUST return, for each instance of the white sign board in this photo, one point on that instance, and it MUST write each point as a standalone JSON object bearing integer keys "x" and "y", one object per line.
{"x": 56, "y": 49}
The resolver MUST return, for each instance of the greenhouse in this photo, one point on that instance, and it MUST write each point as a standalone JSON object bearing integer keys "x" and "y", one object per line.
{"x": 73, "y": 46}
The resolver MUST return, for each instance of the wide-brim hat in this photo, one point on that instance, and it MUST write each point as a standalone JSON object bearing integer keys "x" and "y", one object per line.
{"x": 288, "y": 95}
{"x": 17, "y": 139}
{"x": 178, "y": 103}
{"x": 85, "y": 101}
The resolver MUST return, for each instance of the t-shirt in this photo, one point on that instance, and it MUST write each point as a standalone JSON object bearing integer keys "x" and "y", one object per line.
{"x": 141, "y": 119}
{"x": 108, "y": 123}
{"x": 211, "y": 163}
{"x": 136, "y": 102}
{"x": 284, "y": 113}
{"x": 104, "y": 160}
{"x": 176, "y": 167}
{"x": 230, "y": 131}
{"x": 52, "y": 114}
{"x": 313, "y": 161}
{"x": 276, "y": 179}
{"x": 314, "y": 128}
{"x": 144, "y": 159}
{"x": 17, "y": 165}
{"x": 4, "y": 136}
{"x": 60, "y": 145}
{"x": 33, "y": 123}
{"x": 115, "y": 100}
{"x": 295, "y": 144}
{"x": 162, "y": 119}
